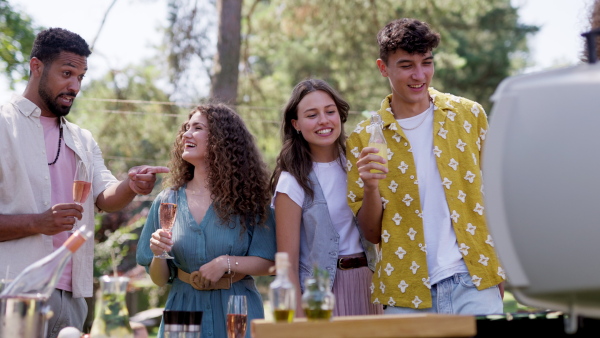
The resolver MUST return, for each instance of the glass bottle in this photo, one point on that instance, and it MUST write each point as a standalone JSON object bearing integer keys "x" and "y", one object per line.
{"x": 318, "y": 300}
{"x": 377, "y": 140}
{"x": 39, "y": 279}
{"x": 112, "y": 317}
{"x": 282, "y": 292}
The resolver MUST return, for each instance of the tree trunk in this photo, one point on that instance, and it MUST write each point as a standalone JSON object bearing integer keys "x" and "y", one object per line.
{"x": 225, "y": 67}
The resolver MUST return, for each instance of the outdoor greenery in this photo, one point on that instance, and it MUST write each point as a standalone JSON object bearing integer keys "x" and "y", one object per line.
{"x": 17, "y": 33}
{"x": 134, "y": 112}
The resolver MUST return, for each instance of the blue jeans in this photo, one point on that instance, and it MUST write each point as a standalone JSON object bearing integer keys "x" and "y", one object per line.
{"x": 458, "y": 295}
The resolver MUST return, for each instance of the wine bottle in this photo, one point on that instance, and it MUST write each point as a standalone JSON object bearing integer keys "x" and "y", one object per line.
{"x": 282, "y": 292}
{"x": 377, "y": 140}
{"x": 39, "y": 279}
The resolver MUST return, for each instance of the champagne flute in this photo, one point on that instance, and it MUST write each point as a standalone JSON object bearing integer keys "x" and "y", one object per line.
{"x": 166, "y": 214}
{"x": 81, "y": 184}
{"x": 237, "y": 316}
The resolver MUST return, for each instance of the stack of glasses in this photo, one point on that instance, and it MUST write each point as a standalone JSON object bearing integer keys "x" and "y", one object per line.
{"x": 182, "y": 324}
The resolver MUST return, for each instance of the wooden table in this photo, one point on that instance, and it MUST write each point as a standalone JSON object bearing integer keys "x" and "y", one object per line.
{"x": 388, "y": 326}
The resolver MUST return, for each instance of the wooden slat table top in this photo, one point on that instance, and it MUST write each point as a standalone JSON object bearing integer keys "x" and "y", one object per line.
{"x": 382, "y": 326}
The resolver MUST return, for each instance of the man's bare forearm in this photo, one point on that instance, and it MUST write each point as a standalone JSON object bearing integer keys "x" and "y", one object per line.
{"x": 18, "y": 226}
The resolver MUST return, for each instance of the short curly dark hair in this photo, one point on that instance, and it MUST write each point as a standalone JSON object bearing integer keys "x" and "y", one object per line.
{"x": 50, "y": 42}
{"x": 410, "y": 35}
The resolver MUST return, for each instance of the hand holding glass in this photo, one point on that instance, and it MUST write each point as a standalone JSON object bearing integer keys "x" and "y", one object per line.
{"x": 166, "y": 214}
{"x": 237, "y": 316}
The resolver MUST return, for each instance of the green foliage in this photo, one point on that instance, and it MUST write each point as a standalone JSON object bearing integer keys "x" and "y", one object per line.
{"x": 130, "y": 117}
{"x": 109, "y": 253}
{"x": 287, "y": 41}
{"x": 335, "y": 41}
{"x": 16, "y": 39}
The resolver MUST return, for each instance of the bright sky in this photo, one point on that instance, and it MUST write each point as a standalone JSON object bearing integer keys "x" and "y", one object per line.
{"x": 132, "y": 28}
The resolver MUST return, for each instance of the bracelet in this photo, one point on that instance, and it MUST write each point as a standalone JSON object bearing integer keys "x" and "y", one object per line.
{"x": 228, "y": 265}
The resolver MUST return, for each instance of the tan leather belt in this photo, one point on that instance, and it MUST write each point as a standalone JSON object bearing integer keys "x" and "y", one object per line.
{"x": 194, "y": 280}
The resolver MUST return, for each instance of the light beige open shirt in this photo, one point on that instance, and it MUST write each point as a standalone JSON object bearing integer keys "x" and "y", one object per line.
{"x": 25, "y": 187}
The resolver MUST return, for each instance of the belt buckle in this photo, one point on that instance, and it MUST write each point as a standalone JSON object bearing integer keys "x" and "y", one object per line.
{"x": 195, "y": 280}
{"x": 339, "y": 264}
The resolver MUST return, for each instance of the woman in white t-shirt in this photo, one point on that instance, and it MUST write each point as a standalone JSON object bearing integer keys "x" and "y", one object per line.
{"x": 314, "y": 222}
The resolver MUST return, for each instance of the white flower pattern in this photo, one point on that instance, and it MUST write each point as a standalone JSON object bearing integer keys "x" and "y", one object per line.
{"x": 456, "y": 151}
{"x": 489, "y": 241}
{"x": 385, "y": 235}
{"x": 389, "y": 269}
{"x": 471, "y": 229}
{"x": 403, "y": 167}
{"x": 414, "y": 267}
{"x": 467, "y": 126}
{"x": 352, "y": 196}
{"x": 393, "y": 185}
{"x": 400, "y": 252}
{"x": 402, "y": 286}
{"x": 453, "y": 164}
{"x": 397, "y": 219}
{"x": 416, "y": 302}
{"x": 407, "y": 200}
{"x": 461, "y": 196}
{"x": 411, "y": 234}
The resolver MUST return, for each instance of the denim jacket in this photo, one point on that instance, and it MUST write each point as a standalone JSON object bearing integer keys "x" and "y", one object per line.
{"x": 319, "y": 240}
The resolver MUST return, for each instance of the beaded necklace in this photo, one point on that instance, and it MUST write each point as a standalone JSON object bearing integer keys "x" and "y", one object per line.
{"x": 60, "y": 136}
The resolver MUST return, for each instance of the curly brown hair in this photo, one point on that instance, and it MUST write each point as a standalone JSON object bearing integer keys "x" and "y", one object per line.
{"x": 410, "y": 35}
{"x": 237, "y": 175}
{"x": 295, "y": 156}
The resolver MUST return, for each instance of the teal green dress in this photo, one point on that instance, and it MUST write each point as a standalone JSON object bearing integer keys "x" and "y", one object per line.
{"x": 196, "y": 244}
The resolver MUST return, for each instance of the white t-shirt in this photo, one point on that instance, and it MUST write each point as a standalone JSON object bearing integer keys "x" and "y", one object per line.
{"x": 443, "y": 257}
{"x": 332, "y": 179}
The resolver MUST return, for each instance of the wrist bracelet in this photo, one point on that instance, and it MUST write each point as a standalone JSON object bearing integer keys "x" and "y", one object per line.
{"x": 228, "y": 265}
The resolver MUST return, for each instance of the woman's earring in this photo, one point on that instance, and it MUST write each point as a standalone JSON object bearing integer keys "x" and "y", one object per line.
{"x": 298, "y": 130}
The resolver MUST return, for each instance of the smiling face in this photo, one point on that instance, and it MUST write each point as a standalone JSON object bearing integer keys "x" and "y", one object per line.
{"x": 409, "y": 76}
{"x": 320, "y": 124}
{"x": 195, "y": 139}
{"x": 60, "y": 82}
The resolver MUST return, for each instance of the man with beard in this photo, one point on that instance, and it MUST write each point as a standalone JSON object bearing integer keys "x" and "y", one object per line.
{"x": 39, "y": 150}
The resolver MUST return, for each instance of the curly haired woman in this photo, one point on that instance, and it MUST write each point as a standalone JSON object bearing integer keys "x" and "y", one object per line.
{"x": 224, "y": 231}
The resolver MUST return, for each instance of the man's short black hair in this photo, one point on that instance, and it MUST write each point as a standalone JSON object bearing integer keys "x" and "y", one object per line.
{"x": 411, "y": 35}
{"x": 50, "y": 42}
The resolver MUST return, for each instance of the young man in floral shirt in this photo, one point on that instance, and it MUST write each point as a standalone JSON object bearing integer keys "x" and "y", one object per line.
{"x": 426, "y": 211}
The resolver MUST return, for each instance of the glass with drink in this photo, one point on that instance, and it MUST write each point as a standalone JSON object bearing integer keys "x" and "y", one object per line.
{"x": 167, "y": 212}
{"x": 82, "y": 184}
{"x": 237, "y": 316}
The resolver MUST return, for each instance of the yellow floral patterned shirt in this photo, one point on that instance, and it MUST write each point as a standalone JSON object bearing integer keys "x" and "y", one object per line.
{"x": 401, "y": 275}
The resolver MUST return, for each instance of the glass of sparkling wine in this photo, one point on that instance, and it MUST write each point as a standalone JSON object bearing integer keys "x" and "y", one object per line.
{"x": 166, "y": 214}
{"x": 237, "y": 316}
{"x": 81, "y": 184}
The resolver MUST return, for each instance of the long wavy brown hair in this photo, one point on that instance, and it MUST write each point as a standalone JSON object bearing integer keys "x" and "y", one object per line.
{"x": 295, "y": 156}
{"x": 237, "y": 175}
